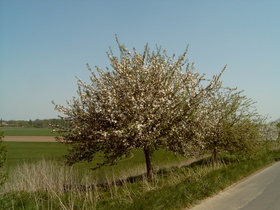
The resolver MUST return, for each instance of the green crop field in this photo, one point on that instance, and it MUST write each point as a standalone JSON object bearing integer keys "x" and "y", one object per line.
{"x": 19, "y": 152}
{"x": 17, "y": 131}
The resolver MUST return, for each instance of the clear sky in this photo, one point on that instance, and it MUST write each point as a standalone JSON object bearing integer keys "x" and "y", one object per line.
{"x": 45, "y": 45}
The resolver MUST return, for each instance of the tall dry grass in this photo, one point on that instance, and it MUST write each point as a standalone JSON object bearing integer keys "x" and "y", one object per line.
{"x": 68, "y": 188}
{"x": 59, "y": 181}
{"x": 54, "y": 180}
{"x": 42, "y": 176}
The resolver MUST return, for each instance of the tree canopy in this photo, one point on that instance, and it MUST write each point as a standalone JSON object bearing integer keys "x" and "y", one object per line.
{"x": 235, "y": 125}
{"x": 144, "y": 101}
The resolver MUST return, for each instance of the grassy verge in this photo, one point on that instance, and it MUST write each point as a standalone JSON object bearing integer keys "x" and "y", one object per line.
{"x": 189, "y": 192}
{"x": 48, "y": 185}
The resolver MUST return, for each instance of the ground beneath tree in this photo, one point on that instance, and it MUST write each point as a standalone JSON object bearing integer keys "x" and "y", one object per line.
{"x": 29, "y": 138}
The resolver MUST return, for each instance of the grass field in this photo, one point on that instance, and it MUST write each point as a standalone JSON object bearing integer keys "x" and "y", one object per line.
{"x": 38, "y": 180}
{"x": 17, "y": 131}
{"x": 19, "y": 152}
{"x": 31, "y": 152}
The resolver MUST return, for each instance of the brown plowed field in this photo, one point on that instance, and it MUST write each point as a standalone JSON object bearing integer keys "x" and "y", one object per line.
{"x": 30, "y": 138}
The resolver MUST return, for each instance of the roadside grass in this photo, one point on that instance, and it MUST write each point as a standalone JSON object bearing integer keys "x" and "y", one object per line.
{"x": 47, "y": 184}
{"x": 19, "y": 131}
{"x": 188, "y": 193}
{"x": 36, "y": 172}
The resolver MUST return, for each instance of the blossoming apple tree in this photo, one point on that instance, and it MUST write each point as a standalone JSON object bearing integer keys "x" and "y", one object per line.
{"x": 144, "y": 101}
{"x": 234, "y": 125}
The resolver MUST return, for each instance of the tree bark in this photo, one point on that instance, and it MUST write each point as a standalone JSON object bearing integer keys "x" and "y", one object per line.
{"x": 149, "y": 165}
{"x": 215, "y": 153}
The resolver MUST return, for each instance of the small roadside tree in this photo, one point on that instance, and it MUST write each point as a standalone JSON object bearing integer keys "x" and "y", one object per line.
{"x": 146, "y": 101}
{"x": 269, "y": 132}
{"x": 278, "y": 126}
{"x": 234, "y": 124}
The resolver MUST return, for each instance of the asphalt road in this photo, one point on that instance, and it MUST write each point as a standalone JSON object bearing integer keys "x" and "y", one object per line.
{"x": 258, "y": 192}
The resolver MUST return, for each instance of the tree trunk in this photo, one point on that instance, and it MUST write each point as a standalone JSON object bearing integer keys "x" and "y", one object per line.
{"x": 149, "y": 165}
{"x": 215, "y": 153}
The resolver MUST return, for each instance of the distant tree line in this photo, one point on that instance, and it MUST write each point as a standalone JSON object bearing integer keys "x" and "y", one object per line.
{"x": 45, "y": 123}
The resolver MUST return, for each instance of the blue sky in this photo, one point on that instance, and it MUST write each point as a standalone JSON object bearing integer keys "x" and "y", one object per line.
{"x": 45, "y": 45}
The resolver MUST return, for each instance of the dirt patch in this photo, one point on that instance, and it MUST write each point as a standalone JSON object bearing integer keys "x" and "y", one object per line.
{"x": 30, "y": 138}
